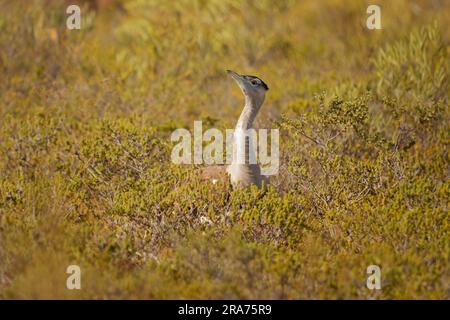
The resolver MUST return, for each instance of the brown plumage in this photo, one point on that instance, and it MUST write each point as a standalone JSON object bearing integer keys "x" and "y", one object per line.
{"x": 214, "y": 174}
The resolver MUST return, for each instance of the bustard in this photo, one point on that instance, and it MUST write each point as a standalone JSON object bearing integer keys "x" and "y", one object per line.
{"x": 243, "y": 173}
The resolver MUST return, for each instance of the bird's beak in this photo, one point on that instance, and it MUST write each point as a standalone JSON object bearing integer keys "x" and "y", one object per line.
{"x": 237, "y": 77}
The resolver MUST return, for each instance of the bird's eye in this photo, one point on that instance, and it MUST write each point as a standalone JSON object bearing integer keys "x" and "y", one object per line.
{"x": 254, "y": 82}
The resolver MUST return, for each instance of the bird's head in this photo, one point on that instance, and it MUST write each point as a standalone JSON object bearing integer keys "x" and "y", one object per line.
{"x": 252, "y": 87}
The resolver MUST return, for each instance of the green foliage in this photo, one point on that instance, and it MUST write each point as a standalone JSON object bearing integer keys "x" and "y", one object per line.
{"x": 417, "y": 68}
{"x": 86, "y": 176}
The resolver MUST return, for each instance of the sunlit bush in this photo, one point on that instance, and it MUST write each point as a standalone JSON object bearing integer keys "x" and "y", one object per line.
{"x": 86, "y": 176}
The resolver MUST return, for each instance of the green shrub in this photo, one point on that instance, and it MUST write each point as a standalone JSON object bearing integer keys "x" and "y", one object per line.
{"x": 86, "y": 176}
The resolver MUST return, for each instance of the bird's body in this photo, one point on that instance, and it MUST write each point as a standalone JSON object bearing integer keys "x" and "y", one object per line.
{"x": 243, "y": 172}
{"x": 214, "y": 174}
{"x": 242, "y": 175}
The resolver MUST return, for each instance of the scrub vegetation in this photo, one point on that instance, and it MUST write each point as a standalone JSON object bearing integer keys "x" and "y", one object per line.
{"x": 85, "y": 171}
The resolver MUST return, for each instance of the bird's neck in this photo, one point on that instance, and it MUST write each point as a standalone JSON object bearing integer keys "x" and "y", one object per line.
{"x": 248, "y": 115}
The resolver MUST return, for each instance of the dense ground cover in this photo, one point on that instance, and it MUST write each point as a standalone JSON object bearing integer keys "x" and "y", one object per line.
{"x": 85, "y": 171}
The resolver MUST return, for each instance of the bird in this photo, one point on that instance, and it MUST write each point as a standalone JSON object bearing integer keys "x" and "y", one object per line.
{"x": 242, "y": 172}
